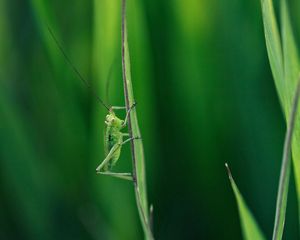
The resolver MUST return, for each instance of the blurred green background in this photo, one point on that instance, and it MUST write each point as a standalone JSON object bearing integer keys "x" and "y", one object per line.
{"x": 205, "y": 97}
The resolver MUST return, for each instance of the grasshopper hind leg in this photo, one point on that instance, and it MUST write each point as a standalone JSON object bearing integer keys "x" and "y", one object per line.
{"x": 125, "y": 176}
{"x": 101, "y": 169}
{"x": 105, "y": 162}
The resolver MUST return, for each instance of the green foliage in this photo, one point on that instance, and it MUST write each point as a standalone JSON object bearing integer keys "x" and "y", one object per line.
{"x": 283, "y": 57}
{"x": 138, "y": 159}
{"x": 200, "y": 79}
{"x": 285, "y": 69}
{"x": 274, "y": 47}
{"x": 285, "y": 170}
{"x": 249, "y": 226}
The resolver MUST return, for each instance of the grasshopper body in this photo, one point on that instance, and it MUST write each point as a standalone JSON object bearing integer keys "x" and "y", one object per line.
{"x": 113, "y": 143}
{"x": 113, "y": 136}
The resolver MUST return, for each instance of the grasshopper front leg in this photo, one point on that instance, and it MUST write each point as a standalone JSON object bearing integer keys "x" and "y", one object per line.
{"x": 123, "y": 107}
{"x": 127, "y": 113}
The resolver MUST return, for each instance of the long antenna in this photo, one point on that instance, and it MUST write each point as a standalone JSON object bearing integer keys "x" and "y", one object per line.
{"x": 85, "y": 82}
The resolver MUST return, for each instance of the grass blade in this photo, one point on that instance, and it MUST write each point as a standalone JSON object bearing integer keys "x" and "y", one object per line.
{"x": 273, "y": 46}
{"x": 291, "y": 71}
{"x": 285, "y": 69}
{"x": 249, "y": 226}
{"x": 290, "y": 56}
{"x": 285, "y": 171}
{"x": 138, "y": 161}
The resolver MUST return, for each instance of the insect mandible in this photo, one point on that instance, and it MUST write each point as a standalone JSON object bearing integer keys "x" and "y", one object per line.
{"x": 113, "y": 136}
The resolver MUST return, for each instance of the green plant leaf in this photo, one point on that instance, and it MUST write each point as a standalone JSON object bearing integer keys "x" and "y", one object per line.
{"x": 285, "y": 171}
{"x": 286, "y": 85}
{"x": 291, "y": 67}
{"x": 273, "y": 46}
{"x": 138, "y": 158}
{"x": 290, "y": 56}
{"x": 291, "y": 75}
{"x": 249, "y": 226}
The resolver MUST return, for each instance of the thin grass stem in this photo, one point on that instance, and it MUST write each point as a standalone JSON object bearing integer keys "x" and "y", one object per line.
{"x": 285, "y": 170}
{"x": 138, "y": 165}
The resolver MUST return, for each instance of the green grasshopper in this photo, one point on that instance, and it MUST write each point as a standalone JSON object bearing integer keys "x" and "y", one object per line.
{"x": 114, "y": 141}
{"x": 113, "y": 135}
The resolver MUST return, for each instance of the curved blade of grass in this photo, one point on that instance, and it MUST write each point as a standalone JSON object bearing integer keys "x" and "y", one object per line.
{"x": 288, "y": 70}
{"x": 285, "y": 171}
{"x": 273, "y": 46}
{"x": 290, "y": 56}
{"x": 291, "y": 71}
{"x": 249, "y": 226}
{"x": 138, "y": 162}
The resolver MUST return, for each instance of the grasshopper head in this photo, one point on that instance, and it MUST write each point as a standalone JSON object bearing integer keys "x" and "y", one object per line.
{"x": 113, "y": 121}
